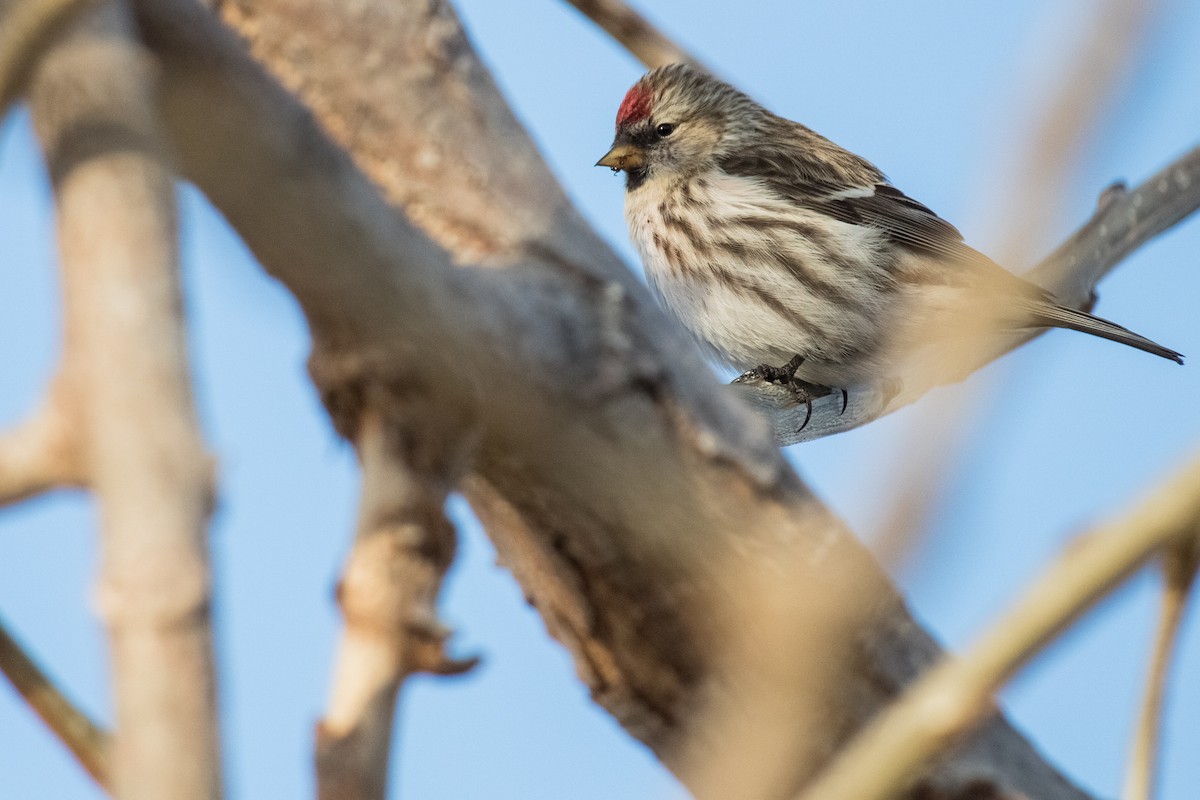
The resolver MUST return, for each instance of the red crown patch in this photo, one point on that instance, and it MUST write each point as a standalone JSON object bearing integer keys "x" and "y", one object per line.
{"x": 635, "y": 106}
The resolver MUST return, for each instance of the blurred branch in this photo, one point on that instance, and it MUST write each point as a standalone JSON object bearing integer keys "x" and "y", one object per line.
{"x": 772, "y": 719}
{"x": 43, "y": 452}
{"x": 1179, "y": 565}
{"x": 87, "y": 742}
{"x": 647, "y": 43}
{"x": 411, "y": 458}
{"x": 27, "y": 28}
{"x": 92, "y": 101}
{"x": 1125, "y": 221}
{"x": 1114, "y": 35}
{"x": 881, "y": 761}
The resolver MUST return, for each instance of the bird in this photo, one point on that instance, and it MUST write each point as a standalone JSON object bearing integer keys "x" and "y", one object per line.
{"x": 793, "y": 259}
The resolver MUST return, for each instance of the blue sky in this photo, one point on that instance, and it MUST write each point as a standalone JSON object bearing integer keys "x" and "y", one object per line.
{"x": 940, "y": 96}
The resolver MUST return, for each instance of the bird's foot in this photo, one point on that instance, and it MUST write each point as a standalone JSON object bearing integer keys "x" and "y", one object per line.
{"x": 783, "y": 376}
{"x": 803, "y": 391}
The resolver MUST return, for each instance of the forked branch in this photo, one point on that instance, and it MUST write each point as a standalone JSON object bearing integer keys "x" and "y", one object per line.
{"x": 412, "y": 455}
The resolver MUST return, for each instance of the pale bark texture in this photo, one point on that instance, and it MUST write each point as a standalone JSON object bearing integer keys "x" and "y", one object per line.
{"x": 412, "y": 456}
{"x": 92, "y": 100}
{"x": 619, "y": 483}
{"x": 43, "y": 451}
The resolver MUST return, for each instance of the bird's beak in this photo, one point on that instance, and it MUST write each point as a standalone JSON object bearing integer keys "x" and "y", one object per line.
{"x": 623, "y": 156}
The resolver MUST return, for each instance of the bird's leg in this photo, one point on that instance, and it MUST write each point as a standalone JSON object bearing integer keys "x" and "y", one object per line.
{"x": 803, "y": 391}
{"x": 784, "y": 376}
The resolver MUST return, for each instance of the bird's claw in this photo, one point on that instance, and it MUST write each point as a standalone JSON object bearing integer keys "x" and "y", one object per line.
{"x": 803, "y": 391}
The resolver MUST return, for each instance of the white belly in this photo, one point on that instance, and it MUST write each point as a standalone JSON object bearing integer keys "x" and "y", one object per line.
{"x": 762, "y": 293}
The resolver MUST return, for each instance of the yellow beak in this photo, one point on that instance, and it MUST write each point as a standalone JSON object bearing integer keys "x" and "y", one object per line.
{"x": 623, "y": 156}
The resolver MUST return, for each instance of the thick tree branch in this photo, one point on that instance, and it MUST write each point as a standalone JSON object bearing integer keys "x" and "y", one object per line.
{"x": 412, "y": 455}
{"x": 92, "y": 106}
{"x": 86, "y": 741}
{"x": 617, "y": 481}
{"x": 647, "y": 43}
{"x": 951, "y": 699}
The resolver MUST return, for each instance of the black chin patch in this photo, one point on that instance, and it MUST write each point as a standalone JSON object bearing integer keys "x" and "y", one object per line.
{"x": 634, "y": 178}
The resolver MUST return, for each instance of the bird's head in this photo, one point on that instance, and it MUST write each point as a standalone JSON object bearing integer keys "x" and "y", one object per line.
{"x": 675, "y": 122}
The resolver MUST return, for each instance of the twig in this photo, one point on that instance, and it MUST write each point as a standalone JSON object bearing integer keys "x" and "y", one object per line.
{"x": 1179, "y": 574}
{"x": 26, "y": 30}
{"x": 880, "y": 761}
{"x": 43, "y": 452}
{"x": 647, "y": 43}
{"x": 83, "y": 738}
{"x": 412, "y": 455}
{"x": 92, "y": 98}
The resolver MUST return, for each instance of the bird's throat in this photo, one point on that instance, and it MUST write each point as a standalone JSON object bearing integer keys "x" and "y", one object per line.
{"x": 634, "y": 178}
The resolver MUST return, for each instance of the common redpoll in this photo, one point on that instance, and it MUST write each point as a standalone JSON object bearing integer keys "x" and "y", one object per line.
{"x": 786, "y": 254}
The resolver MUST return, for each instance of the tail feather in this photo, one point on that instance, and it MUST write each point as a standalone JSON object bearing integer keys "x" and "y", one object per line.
{"x": 1055, "y": 316}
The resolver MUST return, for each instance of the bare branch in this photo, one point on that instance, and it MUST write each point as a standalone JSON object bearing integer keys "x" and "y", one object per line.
{"x": 26, "y": 30}
{"x": 1180, "y": 563}
{"x": 647, "y": 43}
{"x": 881, "y": 761}
{"x": 43, "y": 452}
{"x": 411, "y": 457}
{"x": 92, "y": 108}
{"x": 86, "y": 741}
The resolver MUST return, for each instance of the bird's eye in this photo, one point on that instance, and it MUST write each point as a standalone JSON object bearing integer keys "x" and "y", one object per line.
{"x": 664, "y": 130}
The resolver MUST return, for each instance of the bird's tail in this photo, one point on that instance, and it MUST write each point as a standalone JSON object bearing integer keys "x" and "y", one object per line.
{"x": 1055, "y": 316}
